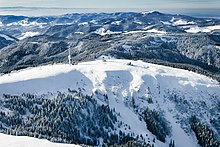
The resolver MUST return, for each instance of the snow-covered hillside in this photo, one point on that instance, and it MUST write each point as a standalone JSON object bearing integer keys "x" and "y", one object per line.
{"x": 21, "y": 141}
{"x": 131, "y": 88}
{"x": 6, "y": 37}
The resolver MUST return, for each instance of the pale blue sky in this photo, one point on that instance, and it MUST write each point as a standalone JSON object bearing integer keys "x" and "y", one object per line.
{"x": 148, "y": 4}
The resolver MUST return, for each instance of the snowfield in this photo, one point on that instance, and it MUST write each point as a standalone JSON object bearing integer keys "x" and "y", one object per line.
{"x": 21, "y": 141}
{"x": 196, "y": 29}
{"x": 1, "y": 25}
{"x": 93, "y": 75}
{"x": 182, "y": 22}
{"x": 123, "y": 80}
{"x": 28, "y": 34}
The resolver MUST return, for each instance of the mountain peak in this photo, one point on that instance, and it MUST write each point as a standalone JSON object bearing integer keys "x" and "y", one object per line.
{"x": 128, "y": 88}
{"x": 152, "y": 12}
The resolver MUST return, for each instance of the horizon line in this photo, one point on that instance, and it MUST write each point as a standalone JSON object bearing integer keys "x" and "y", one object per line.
{"x": 40, "y": 7}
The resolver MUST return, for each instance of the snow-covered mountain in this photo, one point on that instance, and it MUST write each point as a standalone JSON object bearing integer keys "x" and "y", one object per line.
{"x": 153, "y": 36}
{"x": 117, "y": 102}
{"x": 196, "y": 52}
{"x": 6, "y": 37}
{"x": 6, "y": 40}
{"x": 111, "y": 102}
{"x": 70, "y": 25}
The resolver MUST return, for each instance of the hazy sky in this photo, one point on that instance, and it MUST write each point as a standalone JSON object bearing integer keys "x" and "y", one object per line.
{"x": 148, "y": 4}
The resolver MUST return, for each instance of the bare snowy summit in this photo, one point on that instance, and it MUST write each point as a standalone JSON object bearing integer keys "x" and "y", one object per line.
{"x": 135, "y": 91}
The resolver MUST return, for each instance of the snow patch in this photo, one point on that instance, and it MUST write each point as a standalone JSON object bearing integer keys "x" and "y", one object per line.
{"x": 147, "y": 12}
{"x": 21, "y": 141}
{"x": 146, "y": 31}
{"x": 94, "y": 21}
{"x": 1, "y": 24}
{"x": 133, "y": 32}
{"x": 28, "y": 34}
{"x": 100, "y": 31}
{"x": 26, "y": 23}
{"x": 116, "y": 23}
{"x": 165, "y": 22}
{"x": 156, "y": 31}
{"x": 103, "y": 32}
{"x": 7, "y": 37}
{"x": 83, "y": 23}
{"x": 81, "y": 33}
{"x": 138, "y": 22}
{"x": 196, "y": 29}
{"x": 218, "y": 47}
{"x": 182, "y": 22}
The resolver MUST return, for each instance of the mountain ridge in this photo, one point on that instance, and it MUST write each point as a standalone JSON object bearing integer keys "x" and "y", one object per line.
{"x": 124, "y": 87}
{"x": 155, "y": 35}
{"x": 115, "y": 91}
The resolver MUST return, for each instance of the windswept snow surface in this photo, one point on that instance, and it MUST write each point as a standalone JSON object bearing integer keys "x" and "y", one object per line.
{"x": 21, "y": 141}
{"x": 122, "y": 82}
{"x": 28, "y": 80}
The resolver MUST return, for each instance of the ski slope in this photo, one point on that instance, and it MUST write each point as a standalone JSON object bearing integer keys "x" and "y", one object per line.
{"x": 123, "y": 80}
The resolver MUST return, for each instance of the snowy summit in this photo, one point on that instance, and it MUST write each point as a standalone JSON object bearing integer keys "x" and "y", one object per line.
{"x": 131, "y": 87}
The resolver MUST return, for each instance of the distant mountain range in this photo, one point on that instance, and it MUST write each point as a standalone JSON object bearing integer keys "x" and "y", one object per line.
{"x": 22, "y": 26}
{"x": 113, "y": 92}
{"x": 153, "y": 36}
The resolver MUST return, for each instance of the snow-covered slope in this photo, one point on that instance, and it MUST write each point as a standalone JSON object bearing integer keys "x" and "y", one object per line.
{"x": 178, "y": 94}
{"x": 196, "y": 29}
{"x": 6, "y": 40}
{"x": 97, "y": 75}
{"x": 7, "y": 37}
{"x": 21, "y": 141}
{"x": 28, "y": 34}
